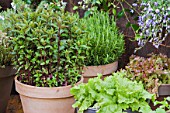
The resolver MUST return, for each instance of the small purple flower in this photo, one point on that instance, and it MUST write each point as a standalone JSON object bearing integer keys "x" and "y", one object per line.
{"x": 131, "y": 10}
{"x": 157, "y": 11}
{"x": 155, "y": 3}
{"x": 134, "y": 4}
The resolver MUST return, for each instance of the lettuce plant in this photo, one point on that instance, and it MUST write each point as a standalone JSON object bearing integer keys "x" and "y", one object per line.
{"x": 114, "y": 94}
{"x": 152, "y": 71}
{"x": 104, "y": 39}
{"x": 46, "y": 45}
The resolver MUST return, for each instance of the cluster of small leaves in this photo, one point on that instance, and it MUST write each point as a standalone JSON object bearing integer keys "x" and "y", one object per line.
{"x": 47, "y": 48}
{"x": 154, "y": 22}
{"x": 152, "y": 71}
{"x": 34, "y": 3}
{"x": 5, "y": 50}
{"x": 102, "y": 36}
{"x": 114, "y": 94}
{"x": 162, "y": 105}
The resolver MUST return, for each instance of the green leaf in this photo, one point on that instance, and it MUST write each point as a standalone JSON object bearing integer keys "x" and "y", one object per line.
{"x": 114, "y": 11}
{"x": 87, "y": 13}
{"x": 128, "y": 24}
{"x": 135, "y": 27}
{"x": 75, "y": 7}
{"x": 120, "y": 14}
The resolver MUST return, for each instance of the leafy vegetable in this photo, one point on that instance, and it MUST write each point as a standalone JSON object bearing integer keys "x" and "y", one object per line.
{"x": 152, "y": 71}
{"x": 114, "y": 94}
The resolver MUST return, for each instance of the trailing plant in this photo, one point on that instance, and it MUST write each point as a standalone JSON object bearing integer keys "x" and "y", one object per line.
{"x": 102, "y": 36}
{"x": 154, "y": 22}
{"x": 114, "y": 94}
{"x": 152, "y": 71}
{"x": 6, "y": 56}
{"x": 111, "y": 6}
{"x": 47, "y": 46}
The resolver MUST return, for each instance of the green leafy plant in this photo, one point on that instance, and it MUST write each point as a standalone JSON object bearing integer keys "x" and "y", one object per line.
{"x": 102, "y": 36}
{"x": 152, "y": 71}
{"x": 47, "y": 47}
{"x": 6, "y": 56}
{"x": 114, "y": 94}
{"x": 162, "y": 105}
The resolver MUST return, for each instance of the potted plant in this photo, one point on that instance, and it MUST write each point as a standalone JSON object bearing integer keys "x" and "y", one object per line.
{"x": 6, "y": 71}
{"x": 153, "y": 72}
{"x": 105, "y": 43}
{"x": 114, "y": 94}
{"x": 49, "y": 57}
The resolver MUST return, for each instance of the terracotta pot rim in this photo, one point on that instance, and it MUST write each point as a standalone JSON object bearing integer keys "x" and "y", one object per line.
{"x": 30, "y": 86}
{"x": 101, "y": 65}
{"x": 44, "y": 92}
{"x": 92, "y": 71}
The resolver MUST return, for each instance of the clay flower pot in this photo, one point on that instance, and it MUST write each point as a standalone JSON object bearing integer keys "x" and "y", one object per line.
{"x": 44, "y": 99}
{"x": 6, "y": 81}
{"x": 105, "y": 70}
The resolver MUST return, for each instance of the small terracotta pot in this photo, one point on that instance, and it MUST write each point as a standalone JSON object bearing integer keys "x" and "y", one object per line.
{"x": 44, "y": 99}
{"x": 105, "y": 70}
{"x": 6, "y": 81}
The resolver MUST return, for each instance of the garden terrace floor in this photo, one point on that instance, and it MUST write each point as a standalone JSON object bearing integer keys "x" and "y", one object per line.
{"x": 14, "y": 105}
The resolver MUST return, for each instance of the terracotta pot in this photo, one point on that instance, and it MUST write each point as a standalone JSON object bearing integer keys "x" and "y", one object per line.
{"x": 164, "y": 90}
{"x": 6, "y": 81}
{"x": 44, "y": 99}
{"x": 105, "y": 70}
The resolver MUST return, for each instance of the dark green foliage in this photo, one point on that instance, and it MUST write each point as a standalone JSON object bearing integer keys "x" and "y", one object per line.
{"x": 47, "y": 48}
{"x": 152, "y": 71}
{"x": 102, "y": 36}
{"x": 5, "y": 50}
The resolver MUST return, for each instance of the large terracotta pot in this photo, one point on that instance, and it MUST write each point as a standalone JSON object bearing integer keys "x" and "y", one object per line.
{"x": 44, "y": 99}
{"x": 6, "y": 81}
{"x": 105, "y": 70}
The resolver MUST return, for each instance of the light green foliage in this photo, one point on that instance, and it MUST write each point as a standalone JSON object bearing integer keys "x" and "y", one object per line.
{"x": 151, "y": 71}
{"x": 102, "y": 36}
{"x": 114, "y": 94}
{"x": 47, "y": 48}
{"x": 5, "y": 50}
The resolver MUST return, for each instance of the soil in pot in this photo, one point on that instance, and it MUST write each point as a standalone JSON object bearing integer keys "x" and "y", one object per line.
{"x": 45, "y": 99}
{"x": 105, "y": 70}
{"x": 6, "y": 81}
